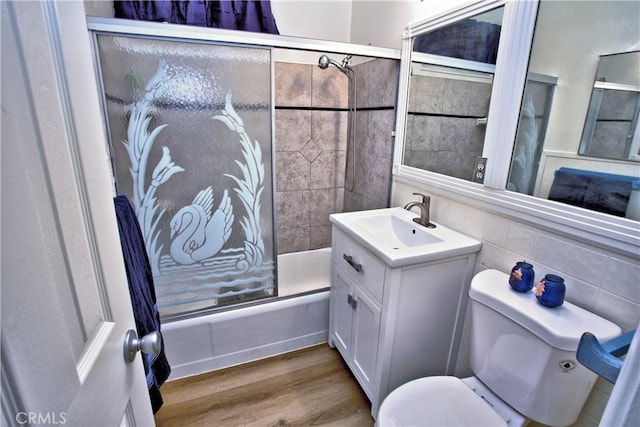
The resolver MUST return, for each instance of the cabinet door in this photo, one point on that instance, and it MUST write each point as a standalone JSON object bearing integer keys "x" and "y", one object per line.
{"x": 342, "y": 319}
{"x": 366, "y": 328}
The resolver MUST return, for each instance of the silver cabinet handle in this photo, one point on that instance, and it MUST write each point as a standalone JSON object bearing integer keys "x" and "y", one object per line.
{"x": 357, "y": 267}
{"x": 150, "y": 344}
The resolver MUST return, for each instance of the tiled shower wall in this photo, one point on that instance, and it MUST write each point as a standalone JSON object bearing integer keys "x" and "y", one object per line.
{"x": 613, "y": 124}
{"x": 311, "y": 142}
{"x": 377, "y": 83}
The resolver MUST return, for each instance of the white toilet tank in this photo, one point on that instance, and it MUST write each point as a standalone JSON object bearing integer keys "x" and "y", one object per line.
{"x": 526, "y": 353}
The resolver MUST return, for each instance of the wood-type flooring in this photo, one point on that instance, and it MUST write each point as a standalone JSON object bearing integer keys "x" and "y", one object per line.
{"x": 308, "y": 387}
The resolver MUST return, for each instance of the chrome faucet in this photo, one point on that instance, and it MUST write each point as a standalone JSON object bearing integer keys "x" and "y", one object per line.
{"x": 423, "y": 219}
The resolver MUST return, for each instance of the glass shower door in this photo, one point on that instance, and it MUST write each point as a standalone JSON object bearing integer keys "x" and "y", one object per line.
{"x": 190, "y": 131}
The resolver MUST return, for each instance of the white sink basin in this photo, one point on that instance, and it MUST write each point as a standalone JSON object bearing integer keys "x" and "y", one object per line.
{"x": 396, "y": 231}
{"x": 392, "y": 235}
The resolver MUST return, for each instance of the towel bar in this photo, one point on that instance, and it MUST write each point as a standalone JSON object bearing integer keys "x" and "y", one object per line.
{"x": 602, "y": 358}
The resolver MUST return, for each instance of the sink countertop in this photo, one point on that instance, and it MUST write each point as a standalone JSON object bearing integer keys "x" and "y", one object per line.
{"x": 389, "y": 234}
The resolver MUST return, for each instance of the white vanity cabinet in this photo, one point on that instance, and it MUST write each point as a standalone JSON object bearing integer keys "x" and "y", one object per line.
{"x": 395, "y": 324}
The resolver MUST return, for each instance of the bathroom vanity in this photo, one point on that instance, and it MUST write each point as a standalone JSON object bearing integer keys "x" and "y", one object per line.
{"x": 398, "y": 297}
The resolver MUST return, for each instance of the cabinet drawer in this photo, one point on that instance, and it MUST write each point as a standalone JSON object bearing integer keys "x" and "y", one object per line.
{"x": 359, "y": 264}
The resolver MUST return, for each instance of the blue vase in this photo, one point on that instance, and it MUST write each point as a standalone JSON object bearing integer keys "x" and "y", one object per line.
{"x": 550, "y": 291}
{"x": 521, "y": 278}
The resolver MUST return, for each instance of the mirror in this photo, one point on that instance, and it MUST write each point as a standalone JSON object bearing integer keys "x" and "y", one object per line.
{"x": 583, "y": 163}
{"x": 450, "y": 86}
{"x": 611, "y": 128}
{"x": 570, "y": 38}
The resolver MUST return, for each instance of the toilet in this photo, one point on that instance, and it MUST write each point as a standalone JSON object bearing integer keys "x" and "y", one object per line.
{"x": 523, "y": 356}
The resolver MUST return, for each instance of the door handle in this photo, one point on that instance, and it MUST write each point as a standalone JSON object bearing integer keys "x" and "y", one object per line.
{"x": 150, "y": 344}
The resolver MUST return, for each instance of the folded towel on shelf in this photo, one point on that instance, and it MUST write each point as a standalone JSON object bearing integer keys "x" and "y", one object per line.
{"x": 143, "y": 296}
{"x": 598, "y": 191}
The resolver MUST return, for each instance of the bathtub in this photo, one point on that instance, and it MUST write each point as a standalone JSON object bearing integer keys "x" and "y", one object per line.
{"x": 302, "y": 272}
{"x": 236, "y": 336}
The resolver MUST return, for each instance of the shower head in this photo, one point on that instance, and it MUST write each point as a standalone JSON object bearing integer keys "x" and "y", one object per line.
{"x": 325, "y": 61}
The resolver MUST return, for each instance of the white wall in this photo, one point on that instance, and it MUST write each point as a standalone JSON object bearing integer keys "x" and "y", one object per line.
{"x": 379, "y": 23}
{"x": 316, "y": 19}
{"x": 382, "y": 23}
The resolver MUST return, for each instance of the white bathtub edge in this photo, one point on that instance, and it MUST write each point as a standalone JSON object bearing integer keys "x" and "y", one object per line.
{"x": 248, "y": 355}
{"x": 191, "y": 345}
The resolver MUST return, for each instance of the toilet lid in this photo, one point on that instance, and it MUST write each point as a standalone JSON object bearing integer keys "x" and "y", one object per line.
{"x": 436, "y": 401}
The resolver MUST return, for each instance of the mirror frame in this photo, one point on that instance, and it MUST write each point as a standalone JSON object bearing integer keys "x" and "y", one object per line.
{"x": 613, "y": 233}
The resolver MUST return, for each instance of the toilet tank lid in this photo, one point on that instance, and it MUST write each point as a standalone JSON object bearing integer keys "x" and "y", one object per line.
{"x": 560, "y": 327}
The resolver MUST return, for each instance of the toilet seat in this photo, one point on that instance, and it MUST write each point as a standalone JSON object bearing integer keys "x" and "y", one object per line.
{"x": 436, "y": 401}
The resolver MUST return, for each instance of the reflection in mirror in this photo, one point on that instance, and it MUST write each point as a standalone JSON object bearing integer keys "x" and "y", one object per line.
{"x": 610, "y": 130}
{"x": 474, "y": 39}
{"x": 527, "y": 150}
{"x": 446, "y": 119}
{"x": 449, "y": 92}
{"x": 555, "y": 169}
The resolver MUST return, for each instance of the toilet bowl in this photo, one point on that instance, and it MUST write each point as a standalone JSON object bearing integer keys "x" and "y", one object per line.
{"x": 451, "y": 402}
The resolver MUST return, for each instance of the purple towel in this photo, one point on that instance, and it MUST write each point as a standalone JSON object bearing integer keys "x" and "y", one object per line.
{"x": 143, "y": 295}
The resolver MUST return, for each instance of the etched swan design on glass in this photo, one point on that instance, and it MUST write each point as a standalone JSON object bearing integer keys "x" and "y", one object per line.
{"x": 196, "y": 233}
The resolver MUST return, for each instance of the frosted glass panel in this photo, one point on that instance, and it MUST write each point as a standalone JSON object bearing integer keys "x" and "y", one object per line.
{"x": 190, "y": 135}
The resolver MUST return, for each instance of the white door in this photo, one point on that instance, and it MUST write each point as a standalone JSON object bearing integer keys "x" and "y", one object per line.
{"x": 65, "y": 301}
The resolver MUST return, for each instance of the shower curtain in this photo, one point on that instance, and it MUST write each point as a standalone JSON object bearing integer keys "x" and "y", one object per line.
{"x": 191, "y": 145}
{"x": 253, "y": 15}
